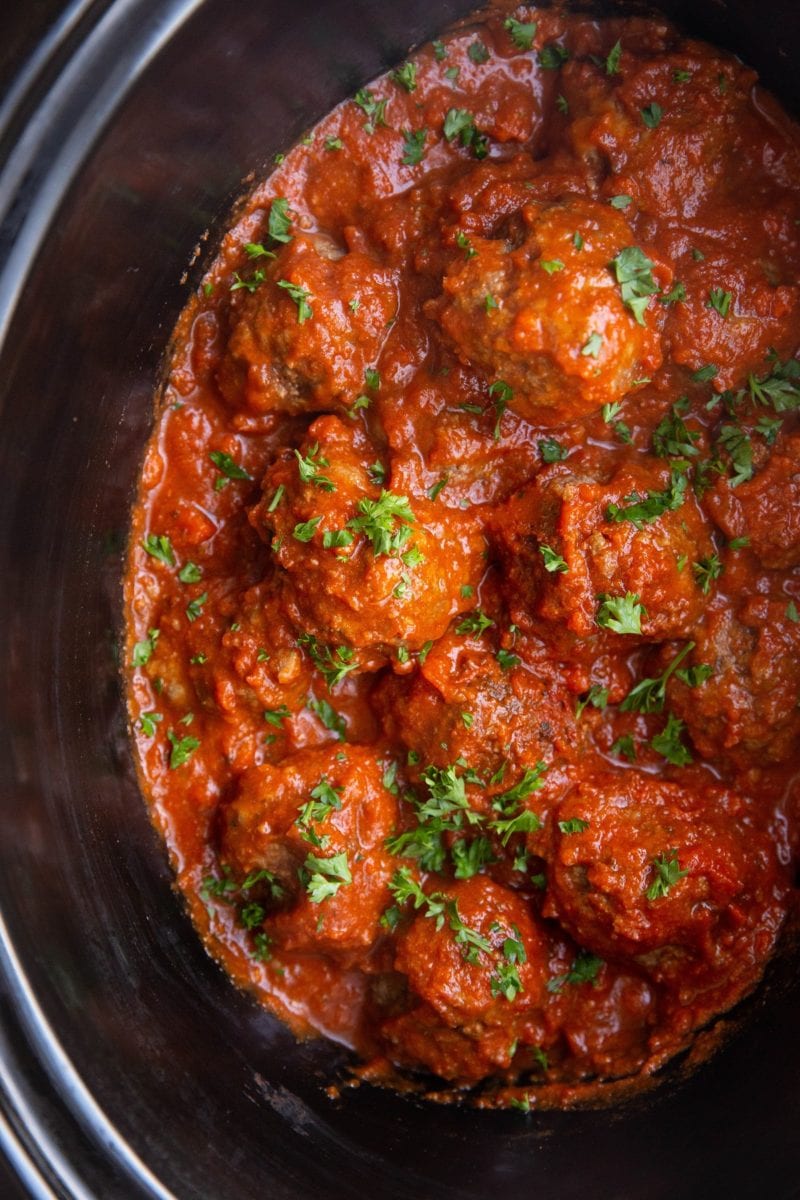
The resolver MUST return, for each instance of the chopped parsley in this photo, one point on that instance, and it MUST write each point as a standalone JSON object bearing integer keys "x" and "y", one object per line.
{"x": 413, "y": 147}
{"x": 502, "y": 394}
{"x": 301, "y": 298}
{"x": 459, "y": 124}
{"x": 612, "y": 60}
{"x": 159, "y": 547}
{"x": 521, "y": 33}
{"x": 735, "y": 441}
{"x": 597, "y": 696}
{"x": 229, "y": 468}
{"x": 406, "y": 76}
{"x": 551, "y": 450}
{"x": 190, "y": 573}
{"x": 641, "y": 510}
{"x": 666, "y": 873}
{"x": 621, "y": 614}
{"x": 585, "y": 969}
{"x": 305, "y": 530}
{"x": 143, "y": 651}
{"x": 551, "y": 57}
{"x": 622, "y": 201}
{"x": 182, "y": 749}
{"x": 649, "y": 695}
{"x": 706, "y": 570}
{"x": 478, "y": 52}
{"x": 279, "y": 221}
{"x": 573, "y": 825}
{"x": 474, "y": 623}
{"x": 324, "y": 876}
{"x": 625, "y": 747}
{"x": 671, "y": 438}
{"x": 633, "y": 270}
{"x": 720, "y": 301}
{"x": 652, "y": 114}
{"x": 507, "y": 660}
{"x": 386, "y": 522}
{"x": 310, "y": 469}
{"x": 591, "y": 347}
{"x": 194, "y": 608}
{"x": 552, "y": 561}
{"x": 668, "y": 743}
{"x": 148, "y": 722}
{"x": 551, "y": 265}
{"x": 332, "y": 664}
{"x": 374, "y": 110}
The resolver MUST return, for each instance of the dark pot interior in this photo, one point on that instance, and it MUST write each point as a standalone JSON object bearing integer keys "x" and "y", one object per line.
{"x": 129, "y": 1066}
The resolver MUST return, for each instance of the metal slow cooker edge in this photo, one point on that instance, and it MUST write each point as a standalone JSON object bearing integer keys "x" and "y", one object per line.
{"x": 129, "y": 1066}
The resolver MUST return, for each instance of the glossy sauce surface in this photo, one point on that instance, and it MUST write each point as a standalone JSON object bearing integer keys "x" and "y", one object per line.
{"x": 463, "y": 595}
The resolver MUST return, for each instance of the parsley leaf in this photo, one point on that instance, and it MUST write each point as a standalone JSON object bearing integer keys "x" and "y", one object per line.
{"x": 182, "y": 749}
{"x": 301, "y": 298}
{"x": 667, "y": 872}
{"x": 621, "y": 614}
{"x": 325, "y": 876}
{"x": 551, "y": 450}
{"x": 552, "y": 561}
{"x": 309, "y": 469}
{"x": 633, "y": 270}
{"x": 739, "y": 447}
{"x": 194, "y": 608}
{"x": 612, "y": 61}
{"x": 641, "y": 510}
{"x": 459, "y": 123}
{"x": 720, "y": 301}
{"x": 333, "y": 665}
{"x": 475, "y": 623}
{"x": 668, "y": 743}
{"x": 159, "y": 547}
{"x": 573, "y": 825}
{"x": 229, "y": 468}
{"x": 584, "y": 969}
{"x": 305, "y": 530}
{"x": 279, "y": 222}
{"x": 406, "y": 76}
{"x": 652, "y": 114}
{"x": 413, "y": 147}
{"x": 379, "y": 520}
{"x": 521, "y": 33}
{"x": 649, "y": 695}
{"x": 706, "y": 570}
{"x": 375, "y": 110}
{"x": 552, "y": 56}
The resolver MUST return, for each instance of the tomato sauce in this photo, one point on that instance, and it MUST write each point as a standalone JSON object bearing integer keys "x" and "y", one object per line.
{"x": 463, "y": 597}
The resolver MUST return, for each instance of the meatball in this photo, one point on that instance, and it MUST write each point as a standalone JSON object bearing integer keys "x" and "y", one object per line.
{"x": 765, "y": 508}
{"x": 675, "y": 160}
{"x": 364, "y": 568}
{"x": 734, "y": 312}
{"x": 262, "y": 662}
{"x": 317, "y": 807}
{"x": 466, "y": 704}
{"x": 569, "y": 542}
{"x": 547, "y": 317}
{"x": 478, "y": 959}
{"x": 304, "y": 339}
{"x": 641, "y": 865}
{"x": 747, "y": 710}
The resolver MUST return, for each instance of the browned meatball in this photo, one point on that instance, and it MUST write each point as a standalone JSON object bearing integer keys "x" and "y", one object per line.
{"x": 365, "y": 568}
{"x": 748, "y": 709}
{"x": 321, "y": 815}
{"x": 483, "y": 968}
{"x": 766, "y": 508}
{"x": 642, "y": 865}
{"x": 547, "y": 316}
{"x": 571, "y": 542}
{"x": 308, "y": 346}
{"x": 468, "y": 703}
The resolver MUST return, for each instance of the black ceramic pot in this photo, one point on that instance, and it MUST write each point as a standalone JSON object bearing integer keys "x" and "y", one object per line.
{"x": 129, "y": 1066}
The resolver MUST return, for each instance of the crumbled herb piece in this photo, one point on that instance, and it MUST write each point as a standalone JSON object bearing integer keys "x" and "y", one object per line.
{"x": 148, "y": 722}
{"x": 279, "y": 221}
{"x": 551, "y": 450}
{"x": 642, "y": 510}
{"x": 182, "y": 749}
{"x": 374, "y": 110}
{"x": 591, "y": 347}
{"x": 551, "y": 265}
{"x": 305, "y": 530}
{"x": 521, "y": 33}
{"x": 475, "y": 623}
{"x": 652, "y": 114}
{"x": 668, "y": 743}
{"x": 478, "y": 52}
{"x": 622, "y": 201}
{"x": 667, "y": 872}
{"x": 325, "y": 876}
{"x": 612, "y": 61}
{"x": 573, "y": 825}
{"x": 406, "y": 76}
{"x": 301, "y": 298}
{"x": 386, "y": 522}
{"x": 597, "y": 696}
{"x": 633, "y": 270}
{"x": 309, "y": 468}
{"x": 720, "y": 301}
{"x": 159, "y": 547}
{"x": 552, "y": 561}
{"x": 625, "y": 747}
{"x": 507, "y": 660}
{"x": 413, "y": 147}
{"x": 190, "y": 573}
{"x": 194, "y": 608}
{"x": 585, "y": 969}
{"x": 552, "y": 56}
{"x": 459, "y": 124}
{"x": 621, "y": 614}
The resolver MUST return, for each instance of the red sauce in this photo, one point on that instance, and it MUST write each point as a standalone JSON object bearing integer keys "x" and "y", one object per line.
{"x": 463, "y": 595}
